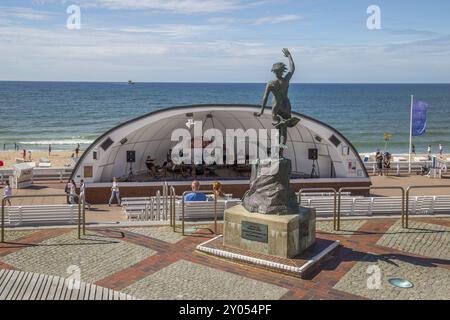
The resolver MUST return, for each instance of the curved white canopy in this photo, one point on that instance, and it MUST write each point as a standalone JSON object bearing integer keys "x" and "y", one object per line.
{"x": 151, "y": 135}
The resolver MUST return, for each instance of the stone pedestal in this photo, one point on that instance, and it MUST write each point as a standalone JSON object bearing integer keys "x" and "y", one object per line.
{"x": 270, "y": 188}
{"x": 283, "y": 236}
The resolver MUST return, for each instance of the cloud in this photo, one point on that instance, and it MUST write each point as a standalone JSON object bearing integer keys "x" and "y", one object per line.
{"x": 173, "y": 30}
{"x": 23, "y": 13}
{"x": 257, "y": 21}
{"x": 174, "y": 6}
{"x": 411, "y": 32}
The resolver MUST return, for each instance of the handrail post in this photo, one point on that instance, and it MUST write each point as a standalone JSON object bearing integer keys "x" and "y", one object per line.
{"x": 406, "y": 222}
{"x": 79, "y": 220}
{"x": 338, "y": 218}
{"x": 84, "y": 213}
{"x": 334, "y": 210}
{"x": 3, "y": 220}
{"x": 215, "y": 215}
{"x": 182, "y": 215}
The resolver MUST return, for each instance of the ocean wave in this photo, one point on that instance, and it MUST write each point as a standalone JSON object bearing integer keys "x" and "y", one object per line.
{"x": 58, "y": 142}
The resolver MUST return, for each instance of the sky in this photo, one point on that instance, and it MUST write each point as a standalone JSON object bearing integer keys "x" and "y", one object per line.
{"x": 225, "y": 40}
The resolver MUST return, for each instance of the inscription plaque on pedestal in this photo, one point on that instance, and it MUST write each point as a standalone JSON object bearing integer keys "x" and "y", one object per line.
{"x": 255, "y": 232}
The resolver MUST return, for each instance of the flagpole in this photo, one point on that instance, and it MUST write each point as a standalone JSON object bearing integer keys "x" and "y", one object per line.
{"x": 410, "y": 132}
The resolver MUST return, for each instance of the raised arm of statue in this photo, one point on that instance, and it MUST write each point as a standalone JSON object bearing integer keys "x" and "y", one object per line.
{"x": 265, "y": 100}
{"x": 288, "y": 55}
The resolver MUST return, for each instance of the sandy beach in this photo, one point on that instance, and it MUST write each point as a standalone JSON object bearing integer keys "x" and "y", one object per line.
{"x": 57, "y": 158}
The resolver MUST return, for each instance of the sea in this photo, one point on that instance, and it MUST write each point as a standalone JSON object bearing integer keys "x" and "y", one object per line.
{"x": 64, "y": 114}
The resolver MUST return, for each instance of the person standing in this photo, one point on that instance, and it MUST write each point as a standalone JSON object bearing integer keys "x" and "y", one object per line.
{"x": 7, "y": 193}
{"x": 72, "y": 192}
{"x": 49, "y": 150}
{"x": 24, "y": 155}
{"x": 379, "y": 160}
{"x": 83, "y": 193}
{"x": 413, "y": 151}
{"x": 429, "y": 152}
{"x": 115, "y": 192}
{"x": 441, "y": 149}
{"x": 77, "y": 150}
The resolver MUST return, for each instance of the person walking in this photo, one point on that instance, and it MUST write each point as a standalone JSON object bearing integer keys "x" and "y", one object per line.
{"x": 7, "y": 193}
{"x": 115, "y": 192}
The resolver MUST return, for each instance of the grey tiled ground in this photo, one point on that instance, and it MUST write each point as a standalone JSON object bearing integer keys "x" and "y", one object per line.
{"x": 348, "y": 227}
{"x": 187, "y": 280}
{"x": 430, "y": 240}
{"x": 429, "y": 282}
{"x": 165, "y": 234}
{"x": 12, "y": 235}
{"x": 95, "y": 255}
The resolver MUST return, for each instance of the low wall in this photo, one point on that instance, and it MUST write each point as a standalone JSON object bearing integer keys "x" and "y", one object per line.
{"x": 101, "y": 192}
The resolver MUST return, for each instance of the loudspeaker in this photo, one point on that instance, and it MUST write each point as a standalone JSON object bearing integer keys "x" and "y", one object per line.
{"x": 131, "y": 156}
{"x": 313, "y": 154}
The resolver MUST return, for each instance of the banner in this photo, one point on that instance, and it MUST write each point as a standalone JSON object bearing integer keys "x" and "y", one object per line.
{"x": 419, "y": 118}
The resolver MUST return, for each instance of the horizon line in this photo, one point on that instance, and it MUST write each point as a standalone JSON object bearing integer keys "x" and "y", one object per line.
{"x": 225, "y": 82}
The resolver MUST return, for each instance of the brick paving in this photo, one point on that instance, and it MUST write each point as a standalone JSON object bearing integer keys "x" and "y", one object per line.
{"x": 154, "y": 263}
{"x": 424, "y": 239}
{"x": 187, "y": 280}
{"x": 429, "y": 283}
{"x": 348, "y": 227}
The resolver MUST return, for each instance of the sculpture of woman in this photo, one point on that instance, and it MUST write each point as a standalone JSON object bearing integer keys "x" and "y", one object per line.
{"x": 281, "y": 105}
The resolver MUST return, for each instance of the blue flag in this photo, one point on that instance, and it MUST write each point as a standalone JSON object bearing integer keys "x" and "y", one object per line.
{"x": 419, "y": 118}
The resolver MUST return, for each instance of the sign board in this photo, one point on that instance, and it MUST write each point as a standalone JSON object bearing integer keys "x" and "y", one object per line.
{"x": 255, "y": 232}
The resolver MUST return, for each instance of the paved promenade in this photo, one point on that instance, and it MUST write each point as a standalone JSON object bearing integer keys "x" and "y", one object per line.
{"x": 155, "y": 263}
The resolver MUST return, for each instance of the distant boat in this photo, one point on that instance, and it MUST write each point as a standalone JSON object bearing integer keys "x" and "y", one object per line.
{"x": 130, "y": 82}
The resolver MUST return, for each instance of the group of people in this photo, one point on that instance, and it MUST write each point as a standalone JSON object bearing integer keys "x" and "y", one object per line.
{"x": 196, "y": 195}
{"x": 24, "y": 155}
{"x": 383, "y": 161}
{"x": 429, "y": 150}
{"x": 71, "y": 191}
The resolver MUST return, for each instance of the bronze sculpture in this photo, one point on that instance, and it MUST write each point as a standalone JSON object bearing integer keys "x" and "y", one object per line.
{"x": 281, "y": 105}
{"x": 271, "y": 193}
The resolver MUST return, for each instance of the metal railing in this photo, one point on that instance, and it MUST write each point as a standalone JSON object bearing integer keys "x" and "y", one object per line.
{"x": 81, "y": 212}
{"x": 405, "y": 222}
{"x": 338, "y": 225}
{"x": 311, "y": 190}
{"x": 172, "y": 199}
{"x": 183, "y": 208}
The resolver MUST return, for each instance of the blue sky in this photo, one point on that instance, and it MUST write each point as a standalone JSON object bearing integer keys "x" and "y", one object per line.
{"x": 225, "y": 40}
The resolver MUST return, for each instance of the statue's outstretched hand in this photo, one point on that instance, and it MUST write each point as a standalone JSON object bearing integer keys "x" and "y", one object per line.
{"x": 286, "y": 53}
